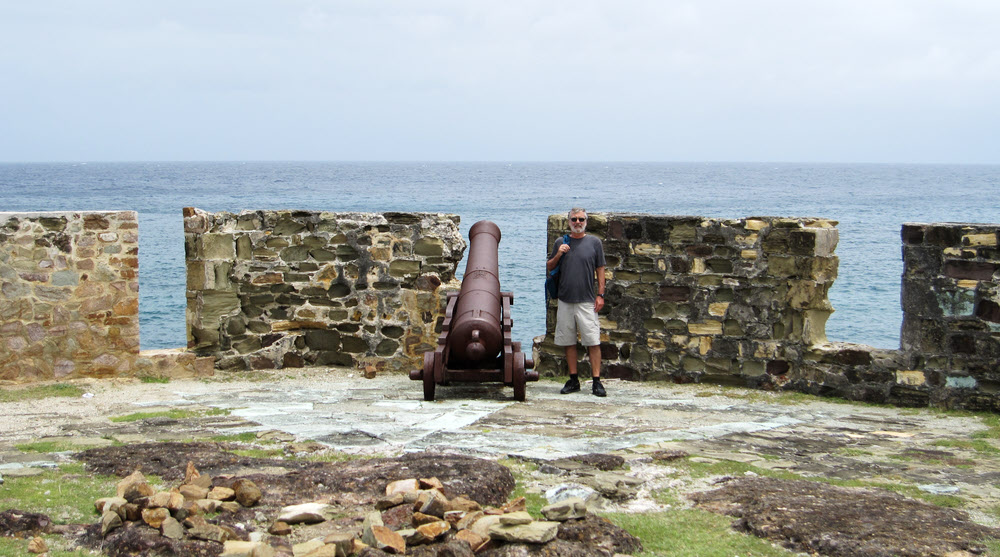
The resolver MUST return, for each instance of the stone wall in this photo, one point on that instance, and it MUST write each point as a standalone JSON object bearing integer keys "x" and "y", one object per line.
{"x": 744, "y": 302}
{"x": 70, "y": 287}
{"x": 274, "y": 289}
{"x": 951, "y": 311}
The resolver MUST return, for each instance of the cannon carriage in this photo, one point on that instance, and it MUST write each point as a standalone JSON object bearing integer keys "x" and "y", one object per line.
{"x": 475, "y": 342}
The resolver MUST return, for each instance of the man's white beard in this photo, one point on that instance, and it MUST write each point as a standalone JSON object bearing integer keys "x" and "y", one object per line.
{"x": 577, "y": 228}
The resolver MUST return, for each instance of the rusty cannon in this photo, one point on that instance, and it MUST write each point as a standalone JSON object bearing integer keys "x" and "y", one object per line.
{"x": 475, "y": 343}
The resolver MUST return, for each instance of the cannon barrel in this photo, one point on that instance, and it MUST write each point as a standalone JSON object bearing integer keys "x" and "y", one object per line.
{"x": 477, "y": 324}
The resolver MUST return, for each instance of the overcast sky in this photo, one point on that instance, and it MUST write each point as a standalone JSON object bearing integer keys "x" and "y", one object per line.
{"x": 509, "y": 80}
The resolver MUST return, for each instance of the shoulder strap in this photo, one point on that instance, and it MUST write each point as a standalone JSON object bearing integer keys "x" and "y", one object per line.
{"x": 556, "y": 268}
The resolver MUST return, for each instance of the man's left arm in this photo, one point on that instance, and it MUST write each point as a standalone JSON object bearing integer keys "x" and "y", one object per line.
{"x": 599, "y": 300}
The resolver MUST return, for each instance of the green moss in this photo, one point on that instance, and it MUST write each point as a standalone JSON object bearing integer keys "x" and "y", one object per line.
{"x": 692, "y": 533}
{"x": 153, "y": 379}
{"x": 173, "y": 413}
{"x": 40, "y": 391}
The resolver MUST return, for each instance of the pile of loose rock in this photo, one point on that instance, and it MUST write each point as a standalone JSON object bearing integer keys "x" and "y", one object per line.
{"x": 414, "y": 517}
{"x": 180, "y": 512}
{"x": 415, "y": 512}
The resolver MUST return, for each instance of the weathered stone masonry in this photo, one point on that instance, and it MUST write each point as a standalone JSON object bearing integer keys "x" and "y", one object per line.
{"x": 951, "y": 310}
{"x": 744, "y": 301}
{"x": 70, "y": 295}
{"x": 273, "y": 289}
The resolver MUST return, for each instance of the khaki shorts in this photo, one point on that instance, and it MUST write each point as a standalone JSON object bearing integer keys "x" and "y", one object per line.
{"x": 577, "y": 318}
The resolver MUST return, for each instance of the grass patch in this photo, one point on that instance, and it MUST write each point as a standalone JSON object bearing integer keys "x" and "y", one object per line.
{"x": 66, "y": 494}
{"x": 57, "y": 547}
{"x": 692, "y": 533}
{"x": 40, "y": 391}
{"x": 981, "y": 446}
{"x": 245, "y": 437}
{"x": 173, "y": 413}
{"x": 48, "y": 447}
{"x": 153, "y": 379}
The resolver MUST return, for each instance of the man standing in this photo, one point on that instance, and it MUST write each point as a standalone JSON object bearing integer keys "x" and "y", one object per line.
{"x": 580, "y": 261}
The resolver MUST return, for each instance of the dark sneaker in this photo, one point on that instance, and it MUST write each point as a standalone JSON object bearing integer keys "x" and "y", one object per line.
{"x": 571, "y": 386}
{"x": 598, "y": 388}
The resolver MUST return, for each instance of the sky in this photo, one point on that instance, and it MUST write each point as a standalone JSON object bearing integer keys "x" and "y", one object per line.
{"x": 903, "y": 81}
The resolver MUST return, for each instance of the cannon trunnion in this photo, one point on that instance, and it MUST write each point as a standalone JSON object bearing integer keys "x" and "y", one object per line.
{"x": 475, "y": 341}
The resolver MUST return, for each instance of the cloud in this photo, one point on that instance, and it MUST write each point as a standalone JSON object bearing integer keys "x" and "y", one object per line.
{"x": 441, "y": 79}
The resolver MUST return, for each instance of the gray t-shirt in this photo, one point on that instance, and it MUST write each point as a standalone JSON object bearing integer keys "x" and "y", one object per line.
{"x": 577, "y": 266}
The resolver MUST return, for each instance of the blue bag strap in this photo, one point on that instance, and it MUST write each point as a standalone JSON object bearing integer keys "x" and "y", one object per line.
{"x": 556, "y": 268}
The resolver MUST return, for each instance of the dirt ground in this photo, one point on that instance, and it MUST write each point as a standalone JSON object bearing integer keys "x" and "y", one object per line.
{"x": 926, "y": 451}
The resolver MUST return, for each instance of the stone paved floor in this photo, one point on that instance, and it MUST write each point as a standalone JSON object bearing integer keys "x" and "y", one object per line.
{"x": 387, "y": 415}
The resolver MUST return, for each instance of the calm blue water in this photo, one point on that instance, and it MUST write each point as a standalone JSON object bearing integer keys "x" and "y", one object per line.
{"x": 870, "y": 201}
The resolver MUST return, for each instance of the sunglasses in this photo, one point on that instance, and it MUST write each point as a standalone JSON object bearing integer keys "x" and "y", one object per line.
{"x": 578, "y": 219}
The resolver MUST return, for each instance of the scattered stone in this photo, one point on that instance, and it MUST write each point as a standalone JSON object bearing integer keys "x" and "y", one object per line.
{"x": 275, "y": 435}
{"x": 517, "y": 505}
{"x": 567, "y": 509}
{"x": 469, "y": 519}
{"x": 113, "y": 504}
{"x": 420, "y": 518}
{"x": 172, "y": 528}
{"x": 372, "y": 520}
{"x": 432, "y": 502}
{"x": 134, "y": 487}
{"x": 193, "y": 492}
{"x": 462, "y": 503}
{"x": 454, "y": 516}
{"x": 431, "y": 483}
{"x": 207, "y": 506}
{"x": 473, "y": 539}
{"x": 534, "y": 532}
{"x": 307, "y": 447}
{"x": 221, "y": 494}
{"x": 398, "y": 517}
{"x": 387, "y": 540}
{"x": 236, "y": 548}
{"x": 568, "y": 490}
{"x": 247, "y": 493}
{"x": 483, "y": 525}
{"x": 308, "y": 513}
{"x": 326, "y": 551}
{"x": 193, "y": 477}
{"x": 402, "y": 486}
{"x": 343, "y": 541}
{"x": 109, "y": 521}
{"x": 304, "y": 548}
{"x": 279, "y": 528}
{"x": 37, "y": 545}
{"x": 172, "y": 500}
{"x": 155, "y": 517}
{"x": 669, "y": 455}
{"x": 202, "y": 530}
{"x": 231, "y": 507}
{"x": 516, "y": 518}
{"x": 433, "y": 530}
{"x": 614, "y": 486}
{"x": 389, "y": 501}
{"x": 369, "y": 372}
{"x": 450, "y": 548}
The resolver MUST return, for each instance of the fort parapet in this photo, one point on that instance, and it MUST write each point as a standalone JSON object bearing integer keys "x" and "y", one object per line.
{"x": 273, "y": 289}
{"x": 690, "y": 299}
{"x": 744, "y": 302}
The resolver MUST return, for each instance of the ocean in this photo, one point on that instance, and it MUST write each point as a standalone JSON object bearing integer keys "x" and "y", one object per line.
{"x": 871, "y": 202}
